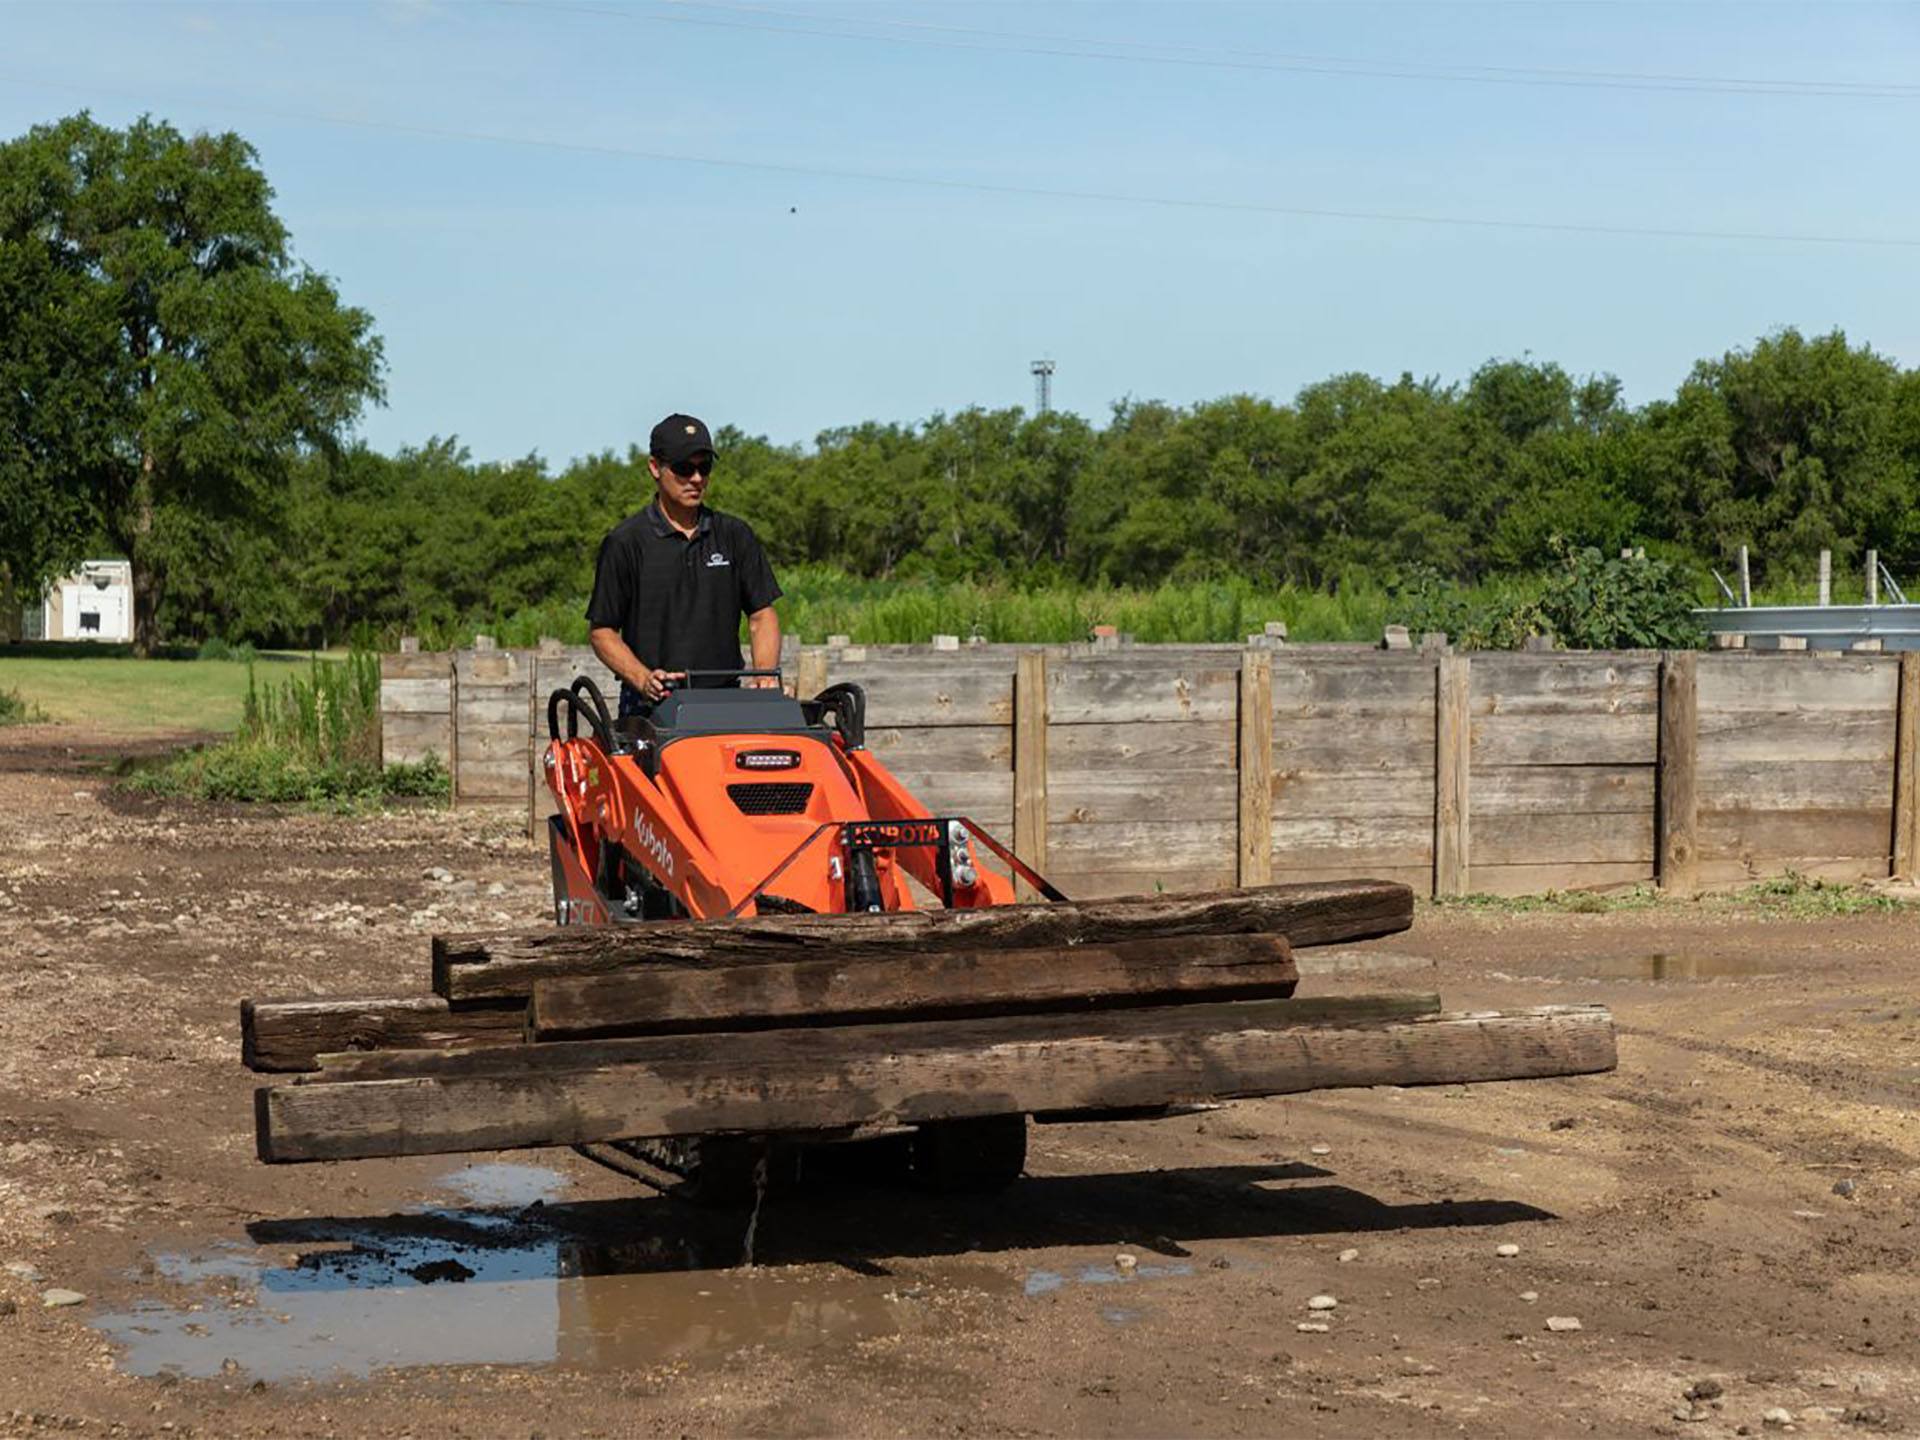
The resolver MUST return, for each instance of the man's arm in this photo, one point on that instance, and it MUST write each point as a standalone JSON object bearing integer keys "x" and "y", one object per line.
{"x": 618, "y": 656}
{"x": 763, "y": 637}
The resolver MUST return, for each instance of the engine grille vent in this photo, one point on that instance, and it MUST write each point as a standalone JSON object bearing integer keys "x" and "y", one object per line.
{"x": 772, "y": 798}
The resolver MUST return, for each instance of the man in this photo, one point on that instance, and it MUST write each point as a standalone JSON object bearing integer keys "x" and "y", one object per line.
{"x": 673, "y": 581}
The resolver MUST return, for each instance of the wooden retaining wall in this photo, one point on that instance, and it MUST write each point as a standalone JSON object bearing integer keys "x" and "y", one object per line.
{"x": 1191, "y": 767}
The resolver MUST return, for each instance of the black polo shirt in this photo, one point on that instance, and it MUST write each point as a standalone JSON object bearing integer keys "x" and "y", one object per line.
{"x": 677, "y": 600}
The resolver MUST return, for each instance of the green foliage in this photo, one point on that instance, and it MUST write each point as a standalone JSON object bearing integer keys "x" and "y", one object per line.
{"x": 1586, "y": 601}
{"x": 16, "y": 709}
{"x": 312, "y": 739}
{"x": 163, "y": 359}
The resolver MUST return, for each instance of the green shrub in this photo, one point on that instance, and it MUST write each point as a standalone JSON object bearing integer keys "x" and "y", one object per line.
{"x": 214, "y": 648}
{"x": 313, "y": 739}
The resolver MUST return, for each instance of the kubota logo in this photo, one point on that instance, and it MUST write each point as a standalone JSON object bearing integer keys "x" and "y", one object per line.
{"x": 652, "y": 843}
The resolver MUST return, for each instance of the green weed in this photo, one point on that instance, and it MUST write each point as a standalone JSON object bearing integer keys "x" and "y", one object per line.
{"x": 312, "y": 739}
{"x": 16, "y": 709}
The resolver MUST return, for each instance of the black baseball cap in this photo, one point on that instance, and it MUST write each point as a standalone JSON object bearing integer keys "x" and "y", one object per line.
{"x": 679, "y": 437}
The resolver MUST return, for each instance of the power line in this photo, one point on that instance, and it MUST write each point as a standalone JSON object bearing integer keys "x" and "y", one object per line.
{"x": 1071, "y": 47}
{"x": 984, "y": 187}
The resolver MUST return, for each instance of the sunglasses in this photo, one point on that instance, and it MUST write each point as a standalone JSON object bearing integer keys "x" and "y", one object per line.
{"x": 686, "y": 469}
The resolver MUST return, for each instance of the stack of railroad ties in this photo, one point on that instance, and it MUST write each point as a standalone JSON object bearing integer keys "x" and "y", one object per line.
{"x": 846, "y": 1026}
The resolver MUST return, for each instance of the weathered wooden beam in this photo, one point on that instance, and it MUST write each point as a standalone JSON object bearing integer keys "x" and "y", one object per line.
{"x": 1452, "y": 758}
{"x": 505, "y": 965}
{"x": 689, "y": 996}
{"x": 287, "y": 1035}
{"x": 1255, "y": 774}
{"x": 786, "y": 1080}
{"x": 1906, "y": 771}
{"x": 1030, "y": 764}
{"x": 563, "y": 1056}
{"x": 1676, "y": 786}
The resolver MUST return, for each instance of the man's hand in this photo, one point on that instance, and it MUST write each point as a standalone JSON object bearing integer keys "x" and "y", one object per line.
{"x": 654, "y": 683}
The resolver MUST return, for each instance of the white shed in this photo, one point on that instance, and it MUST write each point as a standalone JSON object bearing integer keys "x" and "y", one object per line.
{"x": 94, "y": 603}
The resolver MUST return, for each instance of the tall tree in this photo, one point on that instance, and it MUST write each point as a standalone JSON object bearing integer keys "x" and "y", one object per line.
{"x": 164, "y": 357}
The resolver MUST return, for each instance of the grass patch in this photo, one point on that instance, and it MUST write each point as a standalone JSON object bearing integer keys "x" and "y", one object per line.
{"x": 1792, "y": 896}
{"x": 16, "y": 709}
{"x": 309, "y": 739}
{"x": 107, "y": 690}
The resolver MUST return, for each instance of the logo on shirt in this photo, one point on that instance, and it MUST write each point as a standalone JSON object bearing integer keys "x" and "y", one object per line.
{"x": 716, "y": 560}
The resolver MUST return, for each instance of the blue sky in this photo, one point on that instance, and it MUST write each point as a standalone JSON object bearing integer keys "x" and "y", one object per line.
{"x": 559, "y": 286}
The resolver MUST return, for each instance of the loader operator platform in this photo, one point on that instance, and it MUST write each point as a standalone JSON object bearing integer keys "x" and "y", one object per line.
{"x": 673, "y": 581}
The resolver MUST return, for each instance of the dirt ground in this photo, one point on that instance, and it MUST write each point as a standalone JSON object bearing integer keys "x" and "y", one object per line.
{"x": 1732, "y": 1212}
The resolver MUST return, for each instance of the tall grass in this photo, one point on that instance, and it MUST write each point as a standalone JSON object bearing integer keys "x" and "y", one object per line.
{"x": 820, "y": 601}
{"x": 312, "y": 738}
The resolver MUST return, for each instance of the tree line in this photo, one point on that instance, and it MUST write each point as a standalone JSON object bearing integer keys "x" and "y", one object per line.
{"x": 175, "y": 388}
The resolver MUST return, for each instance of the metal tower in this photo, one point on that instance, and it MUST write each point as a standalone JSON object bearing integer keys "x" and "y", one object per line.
{"x": 1042, "y": 386}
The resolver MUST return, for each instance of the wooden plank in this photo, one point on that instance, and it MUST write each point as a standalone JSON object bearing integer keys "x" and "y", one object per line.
{"x": 1255, "y": 850}
{"x": 1750, "y": 869}
{"x": 1794, "y": 736}
{"x": 1183, "y": 745}
{"x": 1030, "y": 838}
{"x": 810, "y": 675}
{"x": 414, "y": 737}
{"x": 1387, "y": 742}
{"x": 1105, "y": 882}
{"x": 505, "y": 965}
{"x": 415, "y": 696}
{"x": 489, "y": 706}
{"x": 1527, "y": 685}
{"x": 1134, "y": 689}
{"x": 1385, "y": 794}
{"x": 560, "y": 1057}
{"x": 481, "y": 743}
{"x": 1780, "y": 683}
{"x": 814, "y": 1079}
{"x": 417, "y": 665}
{"x": 1677, "y": 809}
{"x": 1586, "y": 789}
{"x": 1550, "y": 838}
{"x": 293, "y": 1034}
{"x": 962, "y": 792}
{"x": 1812, "y": 785}
{"x": 1417, "y": 877}
{"x": 1597, "y": 738}
{"x": 953, "y": 692}
{"x": 1359, "y": 845}
{"x": 494, "y": 780}
{"x": 944, "y": 747}
{"x": 1509, "y": 880}
{"x": 1906, "y": 771}
{"x": 1453, "y": 760}
{"x": 690, "y": 996}
{"x": 1798, "y": 835}
{"x": 1138, "y": 793}
{"x": 1144, "y": 844}
{"x": 1379, "y": 685}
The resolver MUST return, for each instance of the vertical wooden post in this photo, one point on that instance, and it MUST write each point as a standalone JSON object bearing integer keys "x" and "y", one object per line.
{"x": 1746, "y": 579}
{"x": 1255, "y": 866}
{"x": 810, "y": 673}
{"x": 1452, "y": 756}
{"x": 453, "y": 729}
{"x": 1676, "y": 850}
{"x": 1030, "y": 764}
{"x": 1906, "y": 772}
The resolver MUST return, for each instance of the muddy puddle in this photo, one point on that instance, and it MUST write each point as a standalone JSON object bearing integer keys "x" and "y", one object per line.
{"x": 1680, "y": 967}
{"x": 499, "y": 1278}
